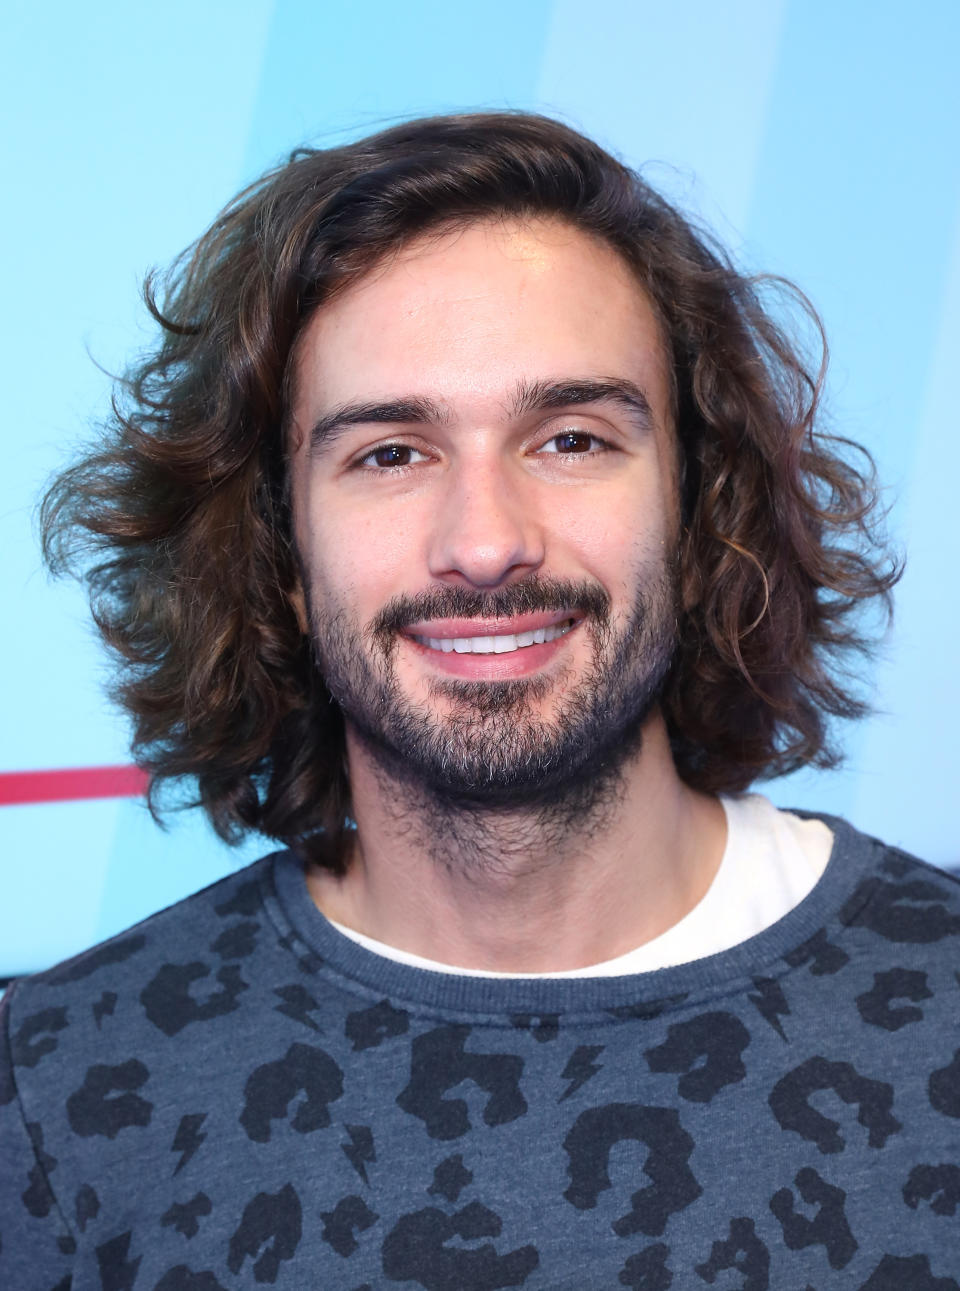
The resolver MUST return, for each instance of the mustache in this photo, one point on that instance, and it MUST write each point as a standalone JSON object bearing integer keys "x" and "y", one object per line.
{"x": 531, "y": 594}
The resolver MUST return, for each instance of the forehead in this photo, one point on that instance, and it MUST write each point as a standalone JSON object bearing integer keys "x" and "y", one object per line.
{"x": 464, "y": 315}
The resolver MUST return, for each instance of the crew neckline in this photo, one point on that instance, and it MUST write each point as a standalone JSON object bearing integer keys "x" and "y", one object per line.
{"x": 311, "y": 936}
{"x": 740, "y": 901}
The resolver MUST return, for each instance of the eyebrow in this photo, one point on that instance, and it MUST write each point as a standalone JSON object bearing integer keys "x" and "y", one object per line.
{"x": 533, "y": 396}
{"x": 390, "y": 412}
{"x": 542, "y": 396}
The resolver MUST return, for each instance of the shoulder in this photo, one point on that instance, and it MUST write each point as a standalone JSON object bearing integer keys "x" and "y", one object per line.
{"x": 896, "y": 895}
{"x": 888, "y": 896}
{"x": 149, "y": 966}
{"x": 882, "y": 953}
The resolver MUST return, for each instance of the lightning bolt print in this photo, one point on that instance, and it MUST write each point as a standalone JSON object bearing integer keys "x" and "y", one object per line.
{"x": 360, "y": 1149}
{"x": 188, "y": 1137}
{"x": 298, "y": 1004}
{"x": 581, "y": 1066}
{"x": 770, "y": 1002}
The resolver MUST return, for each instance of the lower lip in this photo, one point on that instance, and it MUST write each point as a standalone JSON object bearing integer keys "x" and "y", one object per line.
{"x": 522, "y": 662}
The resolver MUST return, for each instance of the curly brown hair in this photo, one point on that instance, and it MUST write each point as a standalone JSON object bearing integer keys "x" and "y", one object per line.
{"x": 179, "y": 521}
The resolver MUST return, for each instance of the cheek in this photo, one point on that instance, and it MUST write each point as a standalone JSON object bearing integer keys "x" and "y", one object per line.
{"x": 362, "y": 557}
{"x": 612, "y": 541}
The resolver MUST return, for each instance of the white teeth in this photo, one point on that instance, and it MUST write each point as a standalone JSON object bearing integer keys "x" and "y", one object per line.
{"x": 504, "y": 644}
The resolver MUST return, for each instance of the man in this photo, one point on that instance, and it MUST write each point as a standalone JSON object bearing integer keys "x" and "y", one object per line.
{"x": 470, "y": 533}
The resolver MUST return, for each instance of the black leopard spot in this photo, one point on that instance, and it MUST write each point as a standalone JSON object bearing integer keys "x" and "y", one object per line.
{"x": 170, "y": 1006}
{"x": 268, "y": 1234}
{"x": 185, "y": 1217}
{"x": 418, "y": 1250}
{"x": 937, "y": 1184}
{"x": 244, "y": 901}
{"x": 86, "y": 1206}
{"x": 897, "y": 863}
{"x": 822, "y": 955}
{"x": 718, "y": 1039}
{"x": 439, "y": 1061}
{"x": 450, "y": 1178}
{"x": 906, "y": 1273}
{"x": 369, "y": 1027}
{"x": 828, "y": 1227}
{"x": 104, "y": 1007}
{"x": 895, "y": 984}
{"x": 349, "y": 1215}
{"x": 789, "y": 1101}
{"x": 672, "y": 1185}
{"x": 902, "y": 912}
{"x": 647, "y": 1270}
{"x": 36, "y": 1036}
{"x": 269, "y": 1090}
{"x": 742, "y": 1250}
{"x": 238, "y": 941}
{"x": 97, "y": 1108}
{"x": 944, "y": 1088}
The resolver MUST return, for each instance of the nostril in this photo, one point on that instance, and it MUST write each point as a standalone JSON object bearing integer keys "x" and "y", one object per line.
{"x": 485, "y": 539}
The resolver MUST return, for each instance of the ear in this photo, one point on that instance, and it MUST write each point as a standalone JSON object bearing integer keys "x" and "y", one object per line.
{"x": 298, "y": 600}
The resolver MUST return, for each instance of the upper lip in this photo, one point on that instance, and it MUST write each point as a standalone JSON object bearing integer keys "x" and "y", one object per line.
{"x": 512, "y": 625}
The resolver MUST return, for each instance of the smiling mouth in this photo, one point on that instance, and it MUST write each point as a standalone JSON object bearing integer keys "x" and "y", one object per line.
{"x": 503, "y": 643}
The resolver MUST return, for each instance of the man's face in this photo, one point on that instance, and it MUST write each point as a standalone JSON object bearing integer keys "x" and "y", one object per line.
{"x": 485, "y": 508}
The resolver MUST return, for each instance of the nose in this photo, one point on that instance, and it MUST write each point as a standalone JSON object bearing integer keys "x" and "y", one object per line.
{"x": 486, "y": 531}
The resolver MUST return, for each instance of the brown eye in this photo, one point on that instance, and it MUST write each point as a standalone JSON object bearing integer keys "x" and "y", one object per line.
{"x": 391, "y": 455}
{"x": 573, "y": 441}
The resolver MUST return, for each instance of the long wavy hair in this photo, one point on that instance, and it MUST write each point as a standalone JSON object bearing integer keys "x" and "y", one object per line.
{"x": 180, "y": 525}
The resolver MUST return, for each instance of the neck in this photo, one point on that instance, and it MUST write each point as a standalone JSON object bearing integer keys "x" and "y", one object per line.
{"x": 536, "y": 889}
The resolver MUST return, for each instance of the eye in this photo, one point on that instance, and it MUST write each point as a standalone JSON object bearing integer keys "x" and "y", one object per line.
{"x": 392, "y": 456}
{"x": 570, "y": 442}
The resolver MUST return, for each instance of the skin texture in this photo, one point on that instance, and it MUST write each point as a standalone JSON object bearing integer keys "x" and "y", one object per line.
{"x": 439, "y": 522}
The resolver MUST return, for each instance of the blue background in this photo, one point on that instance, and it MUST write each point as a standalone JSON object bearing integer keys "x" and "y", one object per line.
{"x": 819, "y": 138}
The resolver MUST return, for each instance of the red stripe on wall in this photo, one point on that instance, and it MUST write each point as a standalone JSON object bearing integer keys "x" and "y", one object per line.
{"x": 68, "y": 784}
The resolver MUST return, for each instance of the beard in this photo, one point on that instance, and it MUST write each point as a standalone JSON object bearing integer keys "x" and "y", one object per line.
{"x": 490, "y": 744}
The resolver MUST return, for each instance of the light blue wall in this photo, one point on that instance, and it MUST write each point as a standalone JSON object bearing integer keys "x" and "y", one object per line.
{"x": 821, "y": 139}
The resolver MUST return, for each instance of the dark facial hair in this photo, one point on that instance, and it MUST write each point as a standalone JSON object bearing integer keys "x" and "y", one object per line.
{"x": 490, "y": 749}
